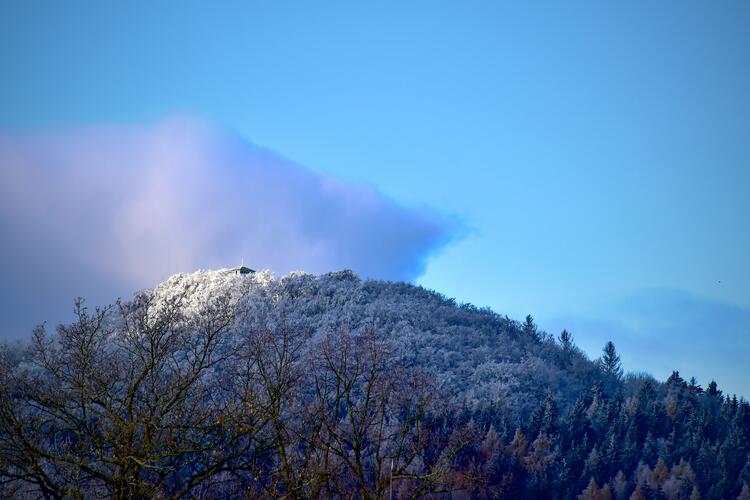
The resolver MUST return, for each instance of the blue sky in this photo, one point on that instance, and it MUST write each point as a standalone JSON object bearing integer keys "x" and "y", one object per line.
{"x": 585, "y": 162}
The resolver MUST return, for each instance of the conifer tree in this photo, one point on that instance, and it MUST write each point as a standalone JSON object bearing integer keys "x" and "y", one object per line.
{"x": 566, "y": 340}
{"x": 591, "y": 492}
{"x": 620, "y": 486}
{"x": 745, "y": 474}
{"x": 610, "y": 361}
{"x": 638, "y": 494}
{"x": 649, "y": 452}
{"x": 713, "y": 390}
{"x": 529, "y": 328}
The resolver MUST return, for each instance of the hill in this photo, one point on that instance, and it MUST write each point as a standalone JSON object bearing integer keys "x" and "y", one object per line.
{"x": 476, "y": 355}
{"x": 218, "y": 383}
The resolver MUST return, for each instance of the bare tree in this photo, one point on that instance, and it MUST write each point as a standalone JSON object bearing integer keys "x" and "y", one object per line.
{"x": 166, "y": 397}
{"x": 126, "y": 401}
{"x": 273, "y": 369}
{"x": 373, "y": 412}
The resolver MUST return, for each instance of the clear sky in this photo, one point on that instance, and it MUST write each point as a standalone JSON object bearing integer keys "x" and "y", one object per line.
{"x": 596, "y": 155}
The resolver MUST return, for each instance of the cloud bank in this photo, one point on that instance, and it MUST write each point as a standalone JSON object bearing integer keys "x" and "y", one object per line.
{"x": 105, "y": 210}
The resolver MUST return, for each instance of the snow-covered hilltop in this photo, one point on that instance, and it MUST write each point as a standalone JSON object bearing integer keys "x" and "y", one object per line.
{"x": 202, "y": 285}
{"x": 475, "y": 354}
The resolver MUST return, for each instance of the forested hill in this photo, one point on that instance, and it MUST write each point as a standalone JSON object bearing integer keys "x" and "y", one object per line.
{"x": 222, "y": 384}
{"x": 475, "y": 354}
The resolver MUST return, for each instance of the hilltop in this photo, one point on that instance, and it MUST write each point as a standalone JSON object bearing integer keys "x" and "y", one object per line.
{"x": 477, "y": 355}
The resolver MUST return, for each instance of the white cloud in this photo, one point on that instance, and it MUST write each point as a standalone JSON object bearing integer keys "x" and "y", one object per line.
{"x": 109, "y": 209}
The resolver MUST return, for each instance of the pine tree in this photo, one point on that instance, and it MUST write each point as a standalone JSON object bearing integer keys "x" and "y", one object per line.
{"x": 745, "y": 474}
{"x": 490, "y": 446}
{"x": 535, "y": 420}
{"x": 731, "y": 460}
{"x": 540, "y": 456}
{"x": 529, "y": 328}
{"x": 549, "y": 418}
{"x": 511, "y": 485}
{"x": 713, "y": 390}
{"x": 611, "y": 452}
{"x": 593, "y": 467}
{"x": 675, "y": 381}
{"x": 694, "y": 386}
{"x": 638, "y": 494}
{"x": 518, "y": 445}
{"x": 630, "y": 449}
{"x": 649, "y": 451}
{"x": 661, "y": 472}
{"x": 620, "y": 486}
{"x": 668, "y": 449}
{"x": 610, "y": 361}
{"x": 591, "y": 492}
{"x": 566, "y": 340}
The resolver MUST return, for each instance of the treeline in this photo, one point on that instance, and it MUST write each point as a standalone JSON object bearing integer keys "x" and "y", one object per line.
{"x": 673, "y": 441}
{"x": 231, "y": 392}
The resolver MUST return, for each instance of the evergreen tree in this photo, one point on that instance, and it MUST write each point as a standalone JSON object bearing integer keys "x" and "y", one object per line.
{"x": 592, "y": 492}
{"x": 745, "y": 474}
{"x": 631, "y": 447}
{"x": 594, "y": 467}
{"x": 649, "y": 453}
{"x": 529, "y": 328}
{"x": 566, "y": 340}
{"x": 620, "y": 486}
{"x": 549, "y": 418}
{"x": 675, "y": 381}
{"x": 610, "y": 455}
{"x": 694, "y": 386}
{"x": 638, "y": 494}
{"x": 610, "y": 361}
{"x": 695, "y": 494}
{"x": 713, "y": 390}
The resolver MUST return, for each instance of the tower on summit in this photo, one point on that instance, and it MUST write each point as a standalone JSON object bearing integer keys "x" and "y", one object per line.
{"x": 243, "y": 269}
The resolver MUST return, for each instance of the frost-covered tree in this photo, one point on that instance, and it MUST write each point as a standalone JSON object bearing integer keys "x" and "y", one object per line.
{"x": 529, "y": 327}
{"x": 124, "y": 401}
{"x": 566, "y": 340}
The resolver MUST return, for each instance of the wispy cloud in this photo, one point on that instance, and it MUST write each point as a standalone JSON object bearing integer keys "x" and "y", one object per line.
{"x": 104, "y": 210}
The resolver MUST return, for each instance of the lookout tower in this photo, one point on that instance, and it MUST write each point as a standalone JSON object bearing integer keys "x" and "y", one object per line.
{"x": 244, "y": 269}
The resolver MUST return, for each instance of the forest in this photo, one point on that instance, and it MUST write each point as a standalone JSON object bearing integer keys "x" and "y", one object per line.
{"x": 221, "y": 385}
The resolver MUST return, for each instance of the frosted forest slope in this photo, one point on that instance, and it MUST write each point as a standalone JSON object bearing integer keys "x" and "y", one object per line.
{"x": 476, "y": 355}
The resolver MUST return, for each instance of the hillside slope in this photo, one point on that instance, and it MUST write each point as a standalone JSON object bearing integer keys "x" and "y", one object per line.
{"x": 476, "y": 355}
{"x": 216, "y": 384}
